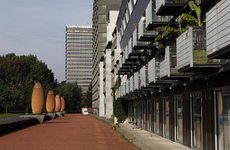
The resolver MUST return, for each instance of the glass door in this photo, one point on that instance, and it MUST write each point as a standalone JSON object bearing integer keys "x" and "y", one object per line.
{"x": 166, "y": 117}
{"x": 144, "y": 115}
{"x": 197, "y": 120}
{"x": 223, "y": 119}
{"x": 157, "y": 116}
{"x": 179, "y": 118}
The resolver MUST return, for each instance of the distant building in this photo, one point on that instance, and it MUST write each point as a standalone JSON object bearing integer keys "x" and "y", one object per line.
{"x": 101, "y": 16}
{"x": 78, "y": 55}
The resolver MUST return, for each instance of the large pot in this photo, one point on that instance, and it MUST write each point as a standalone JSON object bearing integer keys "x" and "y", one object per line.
{"x": 50, "y": 102}
{"x": 57, "y": 103}
{"x": 38, "y": 100}
{"x": 62, "y": 104}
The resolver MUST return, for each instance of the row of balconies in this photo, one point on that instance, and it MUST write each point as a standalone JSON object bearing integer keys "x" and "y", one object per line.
{"x": 195, "y": 51}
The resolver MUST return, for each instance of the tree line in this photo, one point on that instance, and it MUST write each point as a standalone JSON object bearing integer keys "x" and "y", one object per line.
{"x": 18, "y": 74}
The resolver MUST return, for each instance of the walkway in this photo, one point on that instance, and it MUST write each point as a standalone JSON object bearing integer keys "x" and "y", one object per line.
{"x": 143, "y": 139}
{"x": 71, "y": 132}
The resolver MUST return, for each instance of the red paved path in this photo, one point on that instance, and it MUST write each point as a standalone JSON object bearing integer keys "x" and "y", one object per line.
{"x": 71, "y": 132}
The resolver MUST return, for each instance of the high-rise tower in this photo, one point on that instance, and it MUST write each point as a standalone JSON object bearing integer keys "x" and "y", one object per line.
{"x": 78, "y": 55}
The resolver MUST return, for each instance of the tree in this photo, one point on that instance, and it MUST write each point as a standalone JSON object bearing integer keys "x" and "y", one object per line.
{"x": 88, "y": 100}
{"x": 71, "y": 93}
{"x": 18, "y": 74}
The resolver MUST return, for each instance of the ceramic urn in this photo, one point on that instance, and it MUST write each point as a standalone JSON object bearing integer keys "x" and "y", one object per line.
{"x": 62, "y": 104}
{"x": 38, "y": 100}
{"x": 57, "y": 103}
{"x": 50, "y": 102}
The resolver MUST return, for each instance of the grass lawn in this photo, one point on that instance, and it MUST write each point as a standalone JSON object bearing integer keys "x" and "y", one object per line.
{"x": 8, "y": 115}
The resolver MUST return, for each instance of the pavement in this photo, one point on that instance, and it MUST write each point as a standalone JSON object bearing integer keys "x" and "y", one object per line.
{"x": 143, "y": 139}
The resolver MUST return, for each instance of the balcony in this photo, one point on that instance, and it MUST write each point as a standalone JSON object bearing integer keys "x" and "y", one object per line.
{"x": 152, "y": 20}
{"x": 127, "y": 87}
{"x": 168, "y": 66}
{"x": 154, "y": 71}
{"x": 144, "y": 76}
{"x": 218, "y": 31}
{"x": 136, "y": 81}
{"x": 169, "y": 7}
{"x": 131, "y": 82}
{"x": 143, "y": 34}
{"x": 191, "y": 51}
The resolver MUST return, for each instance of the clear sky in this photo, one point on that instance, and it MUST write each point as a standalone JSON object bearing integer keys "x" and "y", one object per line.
{"x": 37, "y": 27}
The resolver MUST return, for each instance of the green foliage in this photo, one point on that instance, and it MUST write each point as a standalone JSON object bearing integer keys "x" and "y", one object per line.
{"x": 88, "y": 100}
{"x": 120, "y": 109}
{"x": 71, "y": 93}
{"x": 191, "y": 19}
{"x": 17, "y": 77}
{"x": 115, "y": 87}
{"x": 169, "y": 32}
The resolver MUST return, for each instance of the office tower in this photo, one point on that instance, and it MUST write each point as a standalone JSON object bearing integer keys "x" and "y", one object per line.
{"x": 78, "y": 55}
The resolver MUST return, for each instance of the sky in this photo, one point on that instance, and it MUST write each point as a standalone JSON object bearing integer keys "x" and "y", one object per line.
{"x": 37, "y": 27}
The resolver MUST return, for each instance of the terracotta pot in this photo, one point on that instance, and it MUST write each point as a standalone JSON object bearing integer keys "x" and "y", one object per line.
{"x": 57, "y": 103}
{"x": 62, "y": 104}
{"x": 114, "y": 128}
{"x": 38, "y": 100}
{"x": 50, "y": 102}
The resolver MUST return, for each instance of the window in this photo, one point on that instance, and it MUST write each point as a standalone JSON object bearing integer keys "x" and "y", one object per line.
{"x": 166, "y": 117}
{"x": 223, "y": 119}
{"x": 197, "y": 118}
{"x": 179, "y": 118}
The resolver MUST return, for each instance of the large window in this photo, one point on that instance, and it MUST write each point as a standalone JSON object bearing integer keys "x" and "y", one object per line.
{"x": 223, "y": 119}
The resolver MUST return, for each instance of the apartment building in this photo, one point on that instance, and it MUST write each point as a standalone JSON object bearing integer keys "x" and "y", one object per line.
{"x": 100, "y": 18}
{"x": 78, "y": 55}
{"x": 177, "y": 87}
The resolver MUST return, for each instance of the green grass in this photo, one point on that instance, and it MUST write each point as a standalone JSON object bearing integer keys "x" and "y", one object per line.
{"x": 8, "y": 115}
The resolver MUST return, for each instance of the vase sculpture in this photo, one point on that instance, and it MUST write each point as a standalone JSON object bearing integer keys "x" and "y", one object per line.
{"x": 50, "y": 102}
{"x": 62, "y": 104}
{"x": 38, "y": 100}
{"x": 57, "y": 103}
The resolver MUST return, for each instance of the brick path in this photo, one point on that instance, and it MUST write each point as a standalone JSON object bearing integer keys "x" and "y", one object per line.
{"x": 71, "y": 132}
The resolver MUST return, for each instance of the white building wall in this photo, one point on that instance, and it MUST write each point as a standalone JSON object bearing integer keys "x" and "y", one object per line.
{"x": 101, "y": 95}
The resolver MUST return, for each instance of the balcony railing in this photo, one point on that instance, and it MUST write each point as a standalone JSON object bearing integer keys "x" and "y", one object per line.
{"x": 131, "y": 82}
{"x": 144, "y": 76}
{"x": 153, "y": 71}
{"x": 169, "y": 64}
{"x": 191, "y": 51}
{"x": 218, "y": 30}
{"x": 127, "y": 88}
{"x": 152, "y": 20}
{"x": 169, "y": 7}
{"x": 136, "y": 81}
{"x": 143, "y": 34}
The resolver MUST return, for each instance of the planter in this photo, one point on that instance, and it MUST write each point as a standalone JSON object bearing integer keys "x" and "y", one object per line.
{"x": 114, "y": 128}
{"x": 38, "y": 101}
{"x": 62, "y": 104}
{"x": 57, "y": 103}
{"x": 27, "y": 110}
{"x": 50, "y": 102}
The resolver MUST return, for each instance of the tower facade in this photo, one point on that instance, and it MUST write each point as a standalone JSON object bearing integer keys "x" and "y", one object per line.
{"x": 78, "y": 55}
